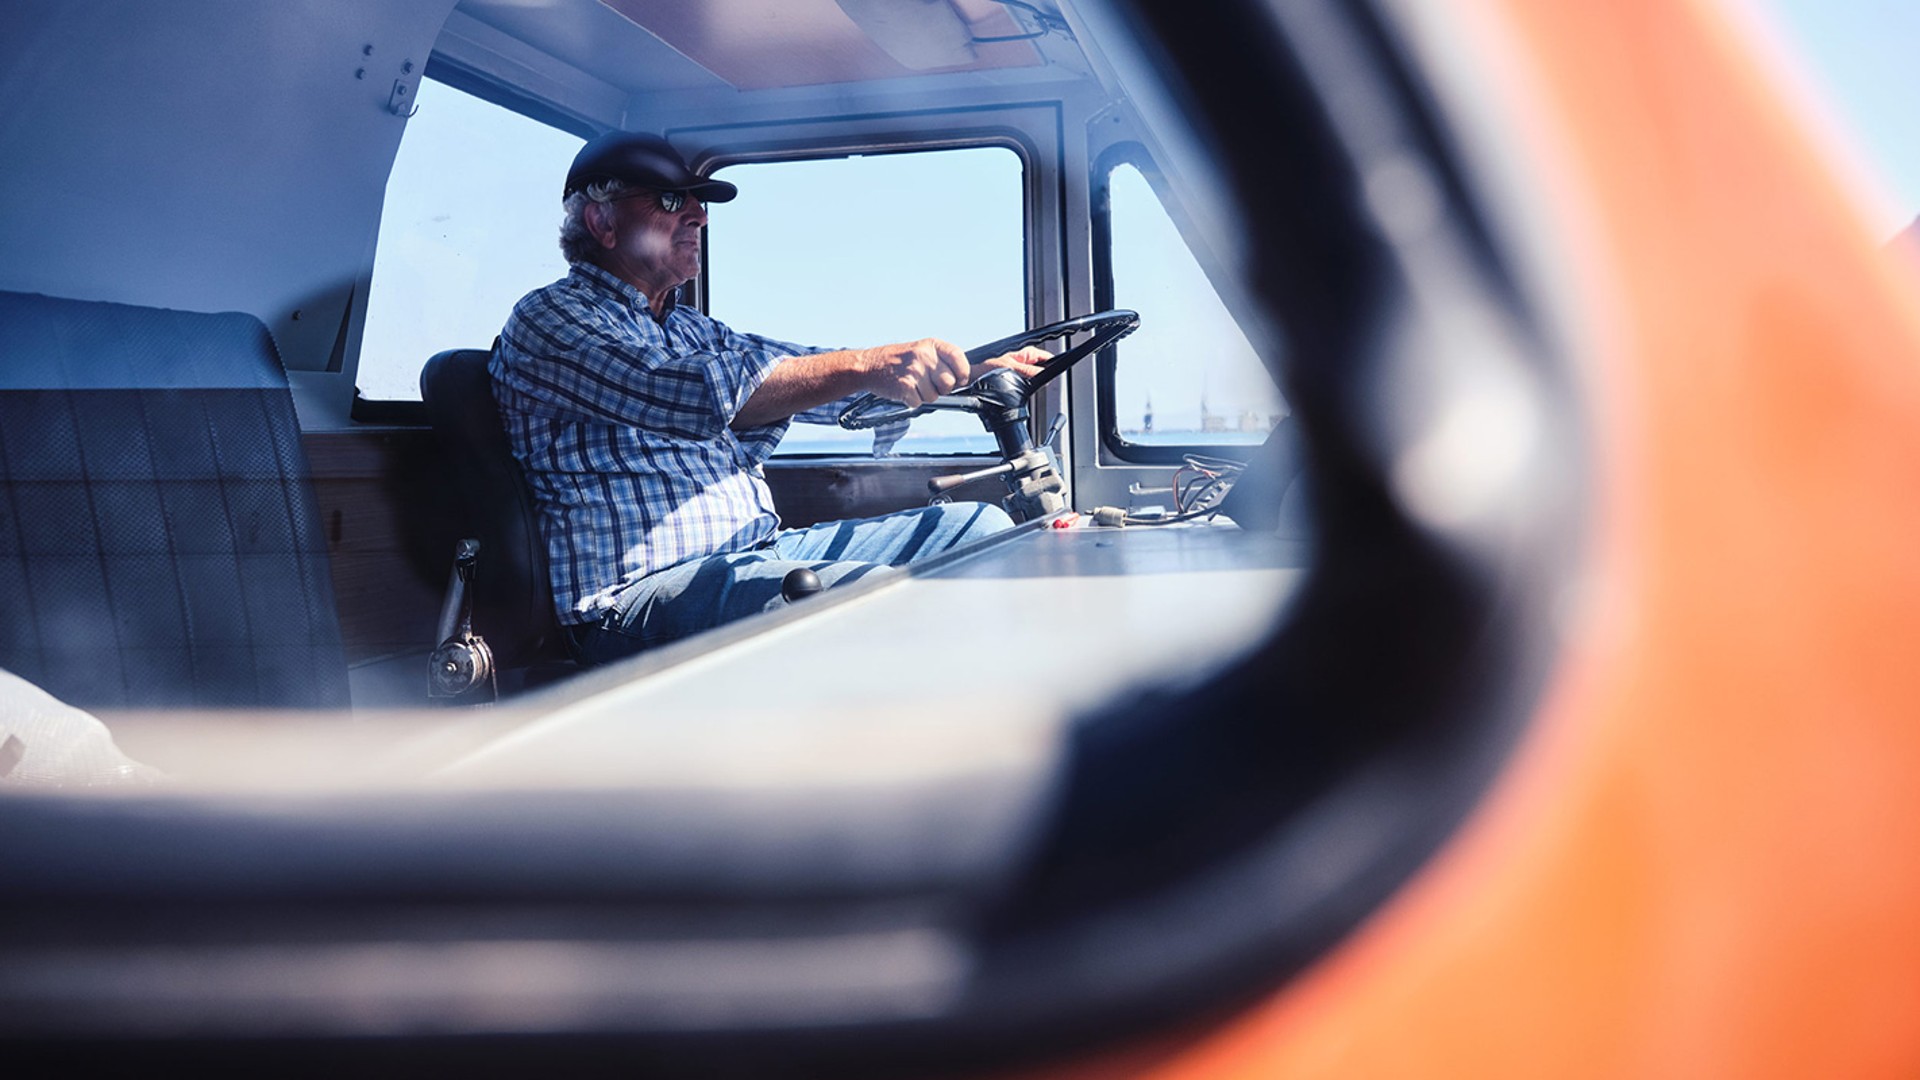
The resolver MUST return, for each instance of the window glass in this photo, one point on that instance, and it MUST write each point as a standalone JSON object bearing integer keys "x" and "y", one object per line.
{"x": 1188, "y": 376}
{"x": 471, "y": 224}
{"x": 866, "y": 250}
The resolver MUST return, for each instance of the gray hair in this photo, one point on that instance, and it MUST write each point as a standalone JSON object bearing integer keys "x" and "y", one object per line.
{"x": 576, "y": 240}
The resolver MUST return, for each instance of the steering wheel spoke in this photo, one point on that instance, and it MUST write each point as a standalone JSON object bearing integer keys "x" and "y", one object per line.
{"x": 1106, "y": 327}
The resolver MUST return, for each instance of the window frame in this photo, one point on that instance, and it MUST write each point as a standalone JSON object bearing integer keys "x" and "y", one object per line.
{"x": 404, "y": 412}
{"x": 1107, "y": 363}
{"x": 893, "y": 135}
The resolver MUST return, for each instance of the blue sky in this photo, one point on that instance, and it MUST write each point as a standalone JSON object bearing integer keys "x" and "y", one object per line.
{"x": 1862, "y": 62}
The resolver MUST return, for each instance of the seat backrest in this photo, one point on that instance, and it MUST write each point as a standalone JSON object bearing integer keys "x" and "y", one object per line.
{"x": 512, "y": 594}
{"x": 159, "y": 540}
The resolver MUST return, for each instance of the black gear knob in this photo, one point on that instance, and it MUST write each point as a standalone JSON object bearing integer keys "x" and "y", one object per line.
{"x": 800, "y": 584}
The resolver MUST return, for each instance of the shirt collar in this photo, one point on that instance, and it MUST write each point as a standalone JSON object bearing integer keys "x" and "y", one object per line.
{"x": 605, "y": 279}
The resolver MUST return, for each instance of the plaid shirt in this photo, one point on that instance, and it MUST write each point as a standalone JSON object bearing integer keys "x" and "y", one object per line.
{"x": 621, "y": 423}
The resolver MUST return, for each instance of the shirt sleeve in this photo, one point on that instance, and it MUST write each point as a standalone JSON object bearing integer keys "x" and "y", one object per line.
{"x": 828, "y": 415}
{"x": 760, "y": 442}
{"x": 583, "y": 363}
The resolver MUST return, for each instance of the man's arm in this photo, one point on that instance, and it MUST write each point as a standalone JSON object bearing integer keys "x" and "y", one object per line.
{"x": 912, "y": 373}
{"x": 569, "y": 358}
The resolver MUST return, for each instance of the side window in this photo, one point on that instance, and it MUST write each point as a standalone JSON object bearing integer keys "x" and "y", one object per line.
{"x": 471, "y": 224}
{"x": 1188, "y": 377}
{"x": 865, "y": 250}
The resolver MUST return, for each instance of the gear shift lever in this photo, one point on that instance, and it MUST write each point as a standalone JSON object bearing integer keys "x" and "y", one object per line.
{"x": 800, "y": 584}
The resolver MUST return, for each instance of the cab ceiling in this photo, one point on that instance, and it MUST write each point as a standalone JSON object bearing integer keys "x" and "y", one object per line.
{"x": 649, "y": 47}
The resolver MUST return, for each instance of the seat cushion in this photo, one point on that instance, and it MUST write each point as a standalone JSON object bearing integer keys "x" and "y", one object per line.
{"x": 513, "y": 595}
{"x": 159, "y": 542}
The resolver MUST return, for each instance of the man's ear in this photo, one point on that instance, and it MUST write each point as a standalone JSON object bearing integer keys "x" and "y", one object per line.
{"x": 599, "y": 221}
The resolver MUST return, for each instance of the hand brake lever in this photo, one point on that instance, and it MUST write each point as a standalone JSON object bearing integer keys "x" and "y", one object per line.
{"x": 463, "y": 661}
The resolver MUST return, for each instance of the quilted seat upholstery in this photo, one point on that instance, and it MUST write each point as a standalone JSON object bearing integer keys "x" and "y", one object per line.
{"x": 159, "y": 542}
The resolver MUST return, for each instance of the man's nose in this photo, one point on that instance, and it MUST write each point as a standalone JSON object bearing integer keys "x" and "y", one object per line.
{"x": 696, "y": 210}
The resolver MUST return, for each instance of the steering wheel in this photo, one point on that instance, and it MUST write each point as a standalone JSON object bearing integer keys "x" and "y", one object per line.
{"x": 993, "y": 388}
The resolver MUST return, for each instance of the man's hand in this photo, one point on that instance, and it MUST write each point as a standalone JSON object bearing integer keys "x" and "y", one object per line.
{"x": 916, "y": 372}
{"x": 912, "y": 373}
{"x": 1026, "y": 361}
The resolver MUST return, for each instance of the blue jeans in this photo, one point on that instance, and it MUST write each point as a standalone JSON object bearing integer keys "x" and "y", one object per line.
{"x": 703, "y": 593}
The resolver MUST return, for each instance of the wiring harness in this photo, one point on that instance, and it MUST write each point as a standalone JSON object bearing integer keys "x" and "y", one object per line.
{"x": 1198, "y": 486}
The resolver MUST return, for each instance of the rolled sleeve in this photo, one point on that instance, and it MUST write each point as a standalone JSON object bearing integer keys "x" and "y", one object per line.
{"x": 752, "y": 359}
{"x": 757, "y": 444}
{"x": 615, "y": 365}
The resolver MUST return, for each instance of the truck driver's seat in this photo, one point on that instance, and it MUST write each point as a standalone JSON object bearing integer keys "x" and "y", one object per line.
{"x": 512, "y": 597}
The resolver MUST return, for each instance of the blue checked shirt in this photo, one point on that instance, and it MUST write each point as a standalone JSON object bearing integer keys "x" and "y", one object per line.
{"x": 621, "y": 423}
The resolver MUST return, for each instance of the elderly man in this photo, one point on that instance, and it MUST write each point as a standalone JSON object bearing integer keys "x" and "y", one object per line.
{"x": 643, "y": 425}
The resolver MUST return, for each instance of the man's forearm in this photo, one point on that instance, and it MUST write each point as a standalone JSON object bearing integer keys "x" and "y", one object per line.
{"x": 799, "y": 383}
{"x": 912, "y": 373}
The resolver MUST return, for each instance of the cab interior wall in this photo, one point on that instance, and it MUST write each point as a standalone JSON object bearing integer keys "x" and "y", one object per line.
{"x": 223, "y": 156}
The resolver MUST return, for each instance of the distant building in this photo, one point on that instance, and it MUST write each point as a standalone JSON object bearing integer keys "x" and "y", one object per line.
{"x": 1209, "y": 420}
{"x": 1146, "y": 420}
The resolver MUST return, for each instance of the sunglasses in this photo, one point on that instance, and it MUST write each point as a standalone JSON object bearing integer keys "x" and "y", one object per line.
{"x": 670, "y": 201}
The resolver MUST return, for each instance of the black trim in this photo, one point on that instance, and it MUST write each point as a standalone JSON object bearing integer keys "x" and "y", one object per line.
{"x": 387, "y": 412}
{"x": 337, "y": 359}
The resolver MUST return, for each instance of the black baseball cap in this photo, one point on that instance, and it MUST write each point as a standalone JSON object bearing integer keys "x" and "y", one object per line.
{"x": 645, "y": 160}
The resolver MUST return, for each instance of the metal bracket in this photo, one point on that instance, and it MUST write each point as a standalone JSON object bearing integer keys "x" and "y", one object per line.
{"x": 400, "y": 102}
